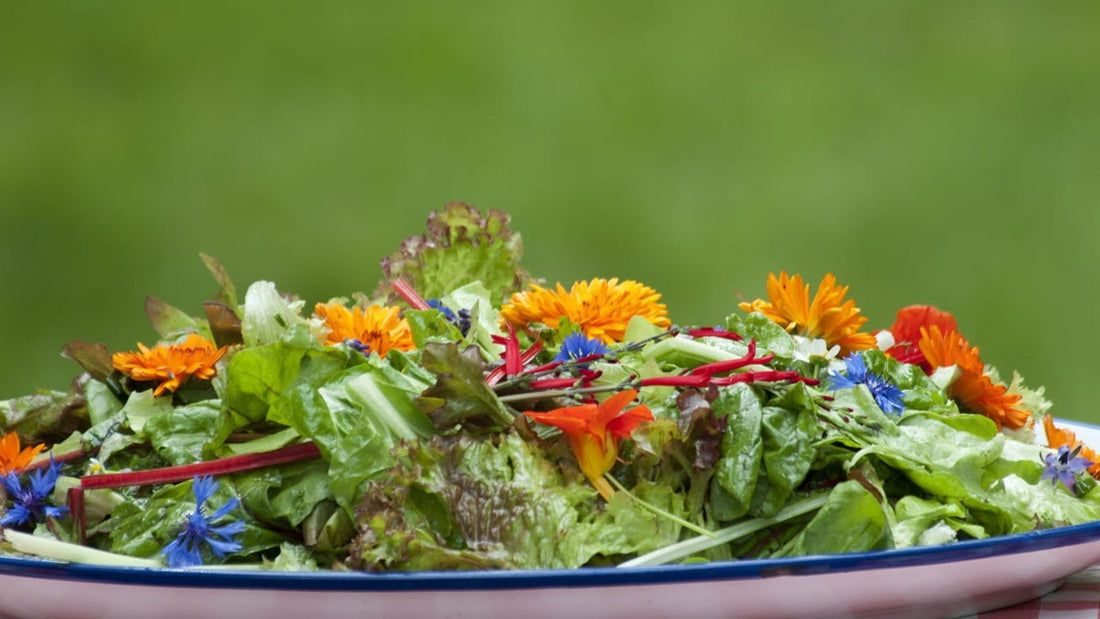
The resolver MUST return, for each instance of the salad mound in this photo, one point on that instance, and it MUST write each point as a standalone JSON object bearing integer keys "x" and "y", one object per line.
{"x": 466, "y": 415}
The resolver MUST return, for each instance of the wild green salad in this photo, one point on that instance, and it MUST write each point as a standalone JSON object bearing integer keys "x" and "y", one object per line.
{"x": 465, "y": 416}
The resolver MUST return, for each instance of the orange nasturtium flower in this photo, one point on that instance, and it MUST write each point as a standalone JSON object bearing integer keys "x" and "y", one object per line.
{"x": 602, "y": 308}
{"x": 594, "y": 432}
{"x": 172, "y": 364}
{"x": 1059, "y": 437}
{"x": 11, "y": 457}
{"x": 376, "y": 328}
{"x": 907, "y": 336}
{"x": 910, "y": 320}
{"x": 827, "y": 316}
{"x": 973, "y": 389}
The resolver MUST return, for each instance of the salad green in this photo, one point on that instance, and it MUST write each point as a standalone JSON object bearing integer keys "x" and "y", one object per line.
{"x": 465, "y": 416}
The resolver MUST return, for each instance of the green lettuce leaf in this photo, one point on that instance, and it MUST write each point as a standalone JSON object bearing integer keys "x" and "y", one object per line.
{"x": 180, "y": 434}
{"x": 460, "y": 395}
{"x": 292, "y": 558}
{"x": 356, "y": 417}
{"x": 769, "y": 336}
{"x": 742, "y": 452}
{"x": 142, "y": 527}
{"x": 284, "y": 496}
{"x": 172, "y": 323}
{"x": 852, "y": 520}
{"x": 484, "y": 316}
{"x": 269, "y": 317}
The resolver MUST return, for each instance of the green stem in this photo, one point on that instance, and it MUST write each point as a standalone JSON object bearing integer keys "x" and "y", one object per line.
{"x": 553, "y": 393}
{"x": 695, "y": 545}
{"x": 73, "y": 553}
{"x": 657, "y": 510}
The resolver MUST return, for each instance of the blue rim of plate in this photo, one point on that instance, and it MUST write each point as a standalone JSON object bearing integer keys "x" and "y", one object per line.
{"x": 1061, "y": 537}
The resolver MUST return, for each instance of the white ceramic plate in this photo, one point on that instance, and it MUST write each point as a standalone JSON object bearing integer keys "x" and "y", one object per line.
{"x": 956, "y": 579}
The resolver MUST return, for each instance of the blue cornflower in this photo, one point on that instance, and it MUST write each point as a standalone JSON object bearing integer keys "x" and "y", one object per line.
{"x": 576, "y": 345}
{"x": 460, "y": 320}
{"x": 29, "y": 505}
{"x": 887, "y": 395}
{"x": 185, "y": 550}
{"x": 436, "y": 304}
{"x": 1064, "y": 467}
{"x": 357, "y": 344}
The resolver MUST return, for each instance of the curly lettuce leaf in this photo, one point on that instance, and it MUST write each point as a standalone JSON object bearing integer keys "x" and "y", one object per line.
{"x": 45, "y": 416}
{"x": 461, "y": 246}
{"x": 462, "y": 503}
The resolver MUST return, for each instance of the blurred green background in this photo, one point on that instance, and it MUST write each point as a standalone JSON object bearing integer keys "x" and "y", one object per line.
{"x": 924, "y": 152}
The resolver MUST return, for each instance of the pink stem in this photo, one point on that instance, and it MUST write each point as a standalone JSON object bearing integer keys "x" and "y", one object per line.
{"x": 708, "y": 332}
{"x": 65, "y": 457}
{"x": 554, "y": 383}
{"x": 529, "y": 354}
{"x": 406, "y": 292}
{"x": 223, "y": 466}
{"x": 76, "y": 508}
{"x": 689, "y": 380}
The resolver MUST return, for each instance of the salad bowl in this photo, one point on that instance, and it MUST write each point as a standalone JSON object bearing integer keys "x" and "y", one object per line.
{"x": 929, "y": 581}
{"x": 466, "y": 442}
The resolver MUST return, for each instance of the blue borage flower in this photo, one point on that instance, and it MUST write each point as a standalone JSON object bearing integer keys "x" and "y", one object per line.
{"x": 185, "y": 550}
{"x": 887, "y": 395}
{"x": 29, "y": 504}
{"x": 577, "y": 346}
{"x": 1064, "y": 466}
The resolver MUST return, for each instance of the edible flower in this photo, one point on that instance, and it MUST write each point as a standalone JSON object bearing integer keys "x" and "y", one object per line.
{"x": 199, "y": 529}
{"x": 11, "y": 457}
{"x": 602, "y": 308}
{"x": 906, "y": 332}
{"x": 1064, "y": 466}
{"x": 578, "y": 346}
{"x": 594, "y": 432}
{"x": 29, "y": 504}
{"x": 828, "y": 316}
{"x": 1060, "y": 437}
{"x": 171, "y": 364}
{"x": 973, "y": 389}
{"x": 887, "y": 395}
{"x": 460, "y": 320}
{"x": 374, "y": 328}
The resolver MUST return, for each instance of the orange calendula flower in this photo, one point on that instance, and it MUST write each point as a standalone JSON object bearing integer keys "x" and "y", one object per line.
{"x": 973, "y": 389}
{"x": 602, "y": 308}
{"x": 827, "y": 316}
{"x": 1059, "y": 437}
{"x": 12, "y": 458}
{"x": 376, "y": 328}
{"x": 594, "y": 432}
{"x": 172, "y": 364}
